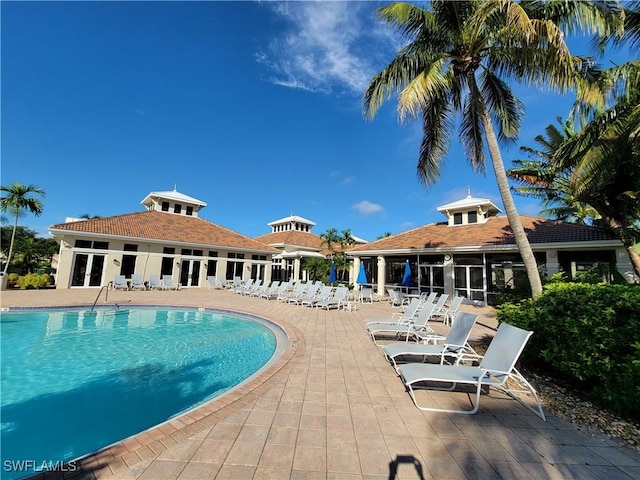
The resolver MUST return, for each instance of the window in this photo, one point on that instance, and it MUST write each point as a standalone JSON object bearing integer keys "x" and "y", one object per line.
{"x": 90, "y": 244}
{"x": 472, "y": 217}
{"x": 258, "y": 257}
{"x": 83, "y": 244}
{"x": 189, "y": 211}
{"x": 457, "y": 218}
{"x": 129, "y": 247}
{"x": 128, "y": 266}
{"x": 177, "y": 208}
{"x": 165, "y": 206}
{"x": 169, "y": 251}
{"x": 197, "y": 253}
{"x": 186, "y": 251}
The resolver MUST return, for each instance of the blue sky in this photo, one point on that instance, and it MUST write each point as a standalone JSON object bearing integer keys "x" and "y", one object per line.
{"x": 254, "y": 108}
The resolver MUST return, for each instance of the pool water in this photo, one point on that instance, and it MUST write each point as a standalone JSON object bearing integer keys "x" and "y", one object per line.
{"x": 74, "y": 381}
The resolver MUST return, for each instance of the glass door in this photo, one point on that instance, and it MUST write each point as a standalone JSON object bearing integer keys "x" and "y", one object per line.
{"x": 190, "y": 273}
{"x": 87, "y": 270}
{"x": 469, "y": 282}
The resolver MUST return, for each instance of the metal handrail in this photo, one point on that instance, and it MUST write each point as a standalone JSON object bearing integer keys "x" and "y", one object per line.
{"x": 98, "y": 296}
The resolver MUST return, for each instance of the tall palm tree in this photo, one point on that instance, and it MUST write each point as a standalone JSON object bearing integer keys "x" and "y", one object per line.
{"x": 538, "y": 178}
{"x": 346, "y": 238}
{"x": 330, "y": 238}
{"x": 19, "y": 199}
{"x": 604, "y": 160}
{"x": 456, "y": 62}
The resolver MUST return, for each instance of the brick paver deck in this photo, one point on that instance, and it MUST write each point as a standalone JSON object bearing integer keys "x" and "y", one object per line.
{"x": 332, "y": 408}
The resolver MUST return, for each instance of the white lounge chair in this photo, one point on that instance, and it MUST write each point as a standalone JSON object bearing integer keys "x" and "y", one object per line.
{"x": 137, "y": 283}
{"x": 211, "y": 282}
{"x": 222, "y": 283}
{"x": 339, "y": 295}
{"x": 278, "y": 291}
{"x": 496, "y": 369}
{"x": 455, "y": 344}
{"x": 448, "y": 314}
{"x": 167, "y": 283}
{"x": 397, "y": 318}
{"x": 154, "y": 282}
{"x": 366, "y": 295}
{"x": 120, "y": 283}
{"x": 323, "y": 295}
{"x": 419, "y": 328}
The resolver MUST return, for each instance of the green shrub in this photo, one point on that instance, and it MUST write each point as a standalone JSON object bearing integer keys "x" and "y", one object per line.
{"x": 587, "y": 335}
{"x": 34, "y": 280}
{"x": 12, "y": 280}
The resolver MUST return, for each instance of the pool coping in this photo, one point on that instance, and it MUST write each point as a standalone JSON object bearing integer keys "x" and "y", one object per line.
{"x": 153, "y": 441}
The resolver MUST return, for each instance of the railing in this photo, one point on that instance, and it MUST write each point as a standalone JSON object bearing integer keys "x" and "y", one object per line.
{"x": 106, "y": 297}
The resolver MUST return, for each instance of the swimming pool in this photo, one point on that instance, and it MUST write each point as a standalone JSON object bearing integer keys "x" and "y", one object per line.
{"x": 74, "y": 381}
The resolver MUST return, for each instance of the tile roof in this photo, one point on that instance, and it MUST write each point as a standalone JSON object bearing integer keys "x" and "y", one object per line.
{"x": 166, "y": 227}
{"x": 496, "y": 231}
{"x": 294, "y": 237}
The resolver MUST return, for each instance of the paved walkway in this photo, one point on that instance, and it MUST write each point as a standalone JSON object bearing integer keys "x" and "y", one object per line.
{"x": 332, "y": 408}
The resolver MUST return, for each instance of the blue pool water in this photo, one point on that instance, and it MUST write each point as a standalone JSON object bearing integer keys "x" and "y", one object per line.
{"x": 75, "y": 381}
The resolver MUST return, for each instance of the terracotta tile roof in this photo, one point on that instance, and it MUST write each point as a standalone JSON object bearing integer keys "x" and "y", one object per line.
{"x": 295, "y": 237}
{"x": 496, "y": 231}
{"x": 166, "y": 227}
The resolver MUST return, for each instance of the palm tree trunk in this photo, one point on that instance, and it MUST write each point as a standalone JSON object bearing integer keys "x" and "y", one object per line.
{"x": 522, "y": 241}
{"x": 13, "y": 237}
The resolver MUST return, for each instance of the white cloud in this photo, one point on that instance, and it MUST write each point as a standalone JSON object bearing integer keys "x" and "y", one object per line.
{"x": 349, "y": 180}
{"x": 365, "y": 207}
{"x": 329, "y": 46}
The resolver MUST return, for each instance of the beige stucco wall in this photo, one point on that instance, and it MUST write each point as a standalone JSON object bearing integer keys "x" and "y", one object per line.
{"x": 148, "y": 260}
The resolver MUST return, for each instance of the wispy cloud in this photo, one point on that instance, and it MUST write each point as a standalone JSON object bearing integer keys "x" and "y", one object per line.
{"x": 348, "y": 180}
{"x": 365, "y": 207}
{"x": 328, "y": 47}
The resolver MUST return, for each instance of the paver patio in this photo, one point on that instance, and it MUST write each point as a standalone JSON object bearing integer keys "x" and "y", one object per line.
{"x": 331, "y": 407}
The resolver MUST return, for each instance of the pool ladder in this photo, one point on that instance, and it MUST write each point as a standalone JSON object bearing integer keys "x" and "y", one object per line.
{"x": 106, "y": 297}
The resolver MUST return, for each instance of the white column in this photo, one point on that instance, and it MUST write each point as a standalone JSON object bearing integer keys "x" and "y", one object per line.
{"x": 355, "y": 269}
{"x": 552, "y": 263}
{"x": 296, "y": 269}
{"x": 382, "y": 267}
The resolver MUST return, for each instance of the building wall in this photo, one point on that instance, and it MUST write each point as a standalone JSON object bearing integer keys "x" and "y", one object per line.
{"x": 148, "y": 261}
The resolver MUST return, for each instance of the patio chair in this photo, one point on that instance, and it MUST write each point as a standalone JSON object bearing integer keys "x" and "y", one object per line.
{"x": 297, "y": 290}
{"x": 281, "y": 288}
{"x": 120, "y": 283}
{"x": 154, "y": 282}
{"x": 419, "y": 328}
{"x": 397, "y": 318}
{"x": 449, "y": 314}
{"x": 221, "y": 284}
{"x": 496, "y": 369}
{"x": 339, "y": 295}
{"x": 211, "y": 282}
{"x": 167, "y": 283}
{"x": 322, "y": 295}
{"x": 455, "y": 344}
{"x": 442, "y": 299}
{"x": 366, "y": 295}
{"x": 137, "y": 283}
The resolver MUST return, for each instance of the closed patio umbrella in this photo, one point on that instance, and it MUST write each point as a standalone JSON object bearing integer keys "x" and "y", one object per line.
{"x": 362, "y": 276}
{"x": 406, "y": 278}
{"x": 332, "y": 273}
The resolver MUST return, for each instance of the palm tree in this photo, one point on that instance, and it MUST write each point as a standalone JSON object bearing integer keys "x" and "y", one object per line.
{"x": 539, "y": 179}
{"x": 17, "y": 201}
{"x": 384, "y": 235}
{"x": 330, "y": 238}
{"x": 456, "y": 62}
{"x": 604, "y": 160}
{"x": 346, "y": 238}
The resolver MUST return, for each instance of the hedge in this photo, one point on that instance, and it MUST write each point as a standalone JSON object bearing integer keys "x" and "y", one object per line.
{"x": 587, "y": 335}
{"x": 33, "y": 280}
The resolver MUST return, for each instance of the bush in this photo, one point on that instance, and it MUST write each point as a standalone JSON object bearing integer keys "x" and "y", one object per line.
{"x": 34, "y": 280}
{"x": 587, "y": 335}
{"x": 12, "y": 280}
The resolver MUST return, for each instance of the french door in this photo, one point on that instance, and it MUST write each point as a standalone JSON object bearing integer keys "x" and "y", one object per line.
{"x": 470, "y": 282}
{"x": 87, "y": 270}
{"x": 190, "y": 273}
